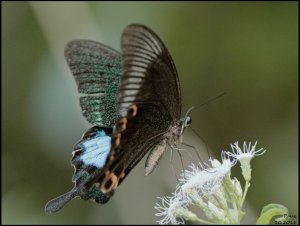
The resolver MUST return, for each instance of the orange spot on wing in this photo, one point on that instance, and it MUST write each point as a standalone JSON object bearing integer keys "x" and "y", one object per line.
{"x": 121, "y": 175}
{"x": 117, "y": 139}
{"x": 122, "y": 123}
{"x": 111, "y": 157}
{"x": 110, "y": 183}
{"x": 133, "y": 110}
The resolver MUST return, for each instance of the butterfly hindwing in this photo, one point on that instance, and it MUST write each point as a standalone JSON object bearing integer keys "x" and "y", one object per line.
{"x": 89, "y": 156}
{"x": 97, "y": 70}
{"x": 92, "y": 150}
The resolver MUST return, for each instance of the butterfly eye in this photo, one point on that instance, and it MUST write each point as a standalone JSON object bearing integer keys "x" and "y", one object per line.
{"x": 188, "y": 121}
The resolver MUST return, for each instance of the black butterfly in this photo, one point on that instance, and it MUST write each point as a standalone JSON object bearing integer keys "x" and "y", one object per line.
{"x": 134, "y": 101}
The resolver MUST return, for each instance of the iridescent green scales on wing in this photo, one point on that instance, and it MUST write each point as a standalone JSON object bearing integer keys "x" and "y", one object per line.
{"x": 97, "y": 195}
{"x": 94, "y": 193}
{"x": 97, "y": 71}
{"x": 100, "y": 109}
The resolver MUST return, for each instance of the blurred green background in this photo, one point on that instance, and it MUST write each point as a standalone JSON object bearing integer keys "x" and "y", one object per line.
{"x": 247, "y": 49}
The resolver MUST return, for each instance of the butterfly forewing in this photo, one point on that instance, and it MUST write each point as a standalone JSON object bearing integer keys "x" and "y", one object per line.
{"x": 149, "y": 101}
{"x": 97, "y": 70}
{"x": 149, "y": 73}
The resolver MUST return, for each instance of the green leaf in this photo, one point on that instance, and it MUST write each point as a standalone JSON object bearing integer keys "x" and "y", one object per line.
{"x": 270, "y": 211}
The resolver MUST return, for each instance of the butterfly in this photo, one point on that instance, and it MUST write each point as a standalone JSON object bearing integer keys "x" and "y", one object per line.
{"x": 133, "y": 100}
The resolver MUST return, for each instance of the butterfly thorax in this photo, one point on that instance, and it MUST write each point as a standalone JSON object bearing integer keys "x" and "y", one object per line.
{"x": 174, "y": 133}
{"x": 170, "y": 139}
{"x": 177, "y": 129}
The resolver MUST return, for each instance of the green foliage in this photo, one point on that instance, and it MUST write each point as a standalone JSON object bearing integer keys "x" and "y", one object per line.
{"x": 270, "y": 211}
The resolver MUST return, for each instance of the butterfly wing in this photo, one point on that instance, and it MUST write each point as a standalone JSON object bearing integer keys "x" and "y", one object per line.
{"x": 149, "y": 102}
{"x": 149, "y": 74}
{"x": 89, "y": 156}
{"x": 97, "y": 70}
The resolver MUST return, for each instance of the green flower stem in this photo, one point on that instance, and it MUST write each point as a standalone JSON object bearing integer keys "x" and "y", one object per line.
{"x": 247, "y": 185}
{"x": 204, "y": 221}
{"x": 240, "y": 213}
{"x": 236, "y": 219}
{"x": 233, "y": 217}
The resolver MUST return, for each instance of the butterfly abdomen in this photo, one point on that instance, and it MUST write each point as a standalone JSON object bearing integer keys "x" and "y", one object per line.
{"x": 154, "y": 157}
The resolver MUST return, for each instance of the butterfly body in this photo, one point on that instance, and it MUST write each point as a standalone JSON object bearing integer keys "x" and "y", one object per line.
{"x": 170, "y": 139}
{"x": 133, "y": 99}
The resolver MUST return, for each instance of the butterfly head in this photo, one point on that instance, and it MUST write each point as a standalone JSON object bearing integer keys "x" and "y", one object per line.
{"x": 187, "y": 121}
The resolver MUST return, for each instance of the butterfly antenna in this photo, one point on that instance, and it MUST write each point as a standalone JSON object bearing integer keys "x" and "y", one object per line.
{"x": 206, "y": 102}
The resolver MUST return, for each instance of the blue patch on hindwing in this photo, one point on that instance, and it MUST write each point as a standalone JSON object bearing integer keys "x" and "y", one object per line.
{"x": 100, "y": 133}
{"x": 96, "y": 149}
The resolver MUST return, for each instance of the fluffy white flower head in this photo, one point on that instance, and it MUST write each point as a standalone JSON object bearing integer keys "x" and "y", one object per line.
{"x": 171, "y": 209}
{"x": 209, "y": 186}
{"x": 244, "y": 156}
{"x": 204, "y": 179}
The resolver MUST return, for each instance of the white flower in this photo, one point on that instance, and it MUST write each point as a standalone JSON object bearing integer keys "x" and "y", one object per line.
{"x": 244, "y": 156}
{"x": 171, "y": 209}
{"x": 247, "y": 152}
{"x": 209, "y": 186}
{"x": 204, "y": 179}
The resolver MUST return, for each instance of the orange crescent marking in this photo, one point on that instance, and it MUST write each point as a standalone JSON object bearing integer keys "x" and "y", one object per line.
{"x": 106, "y": 173}
{"x": 111, "y": 157}
{"x": 117, "y": 139}
{"x": 133, "y": 108}
{"x": 121, "y": 175}
{"x": 122, "y": 123}
{"x": 114, "y": 182}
